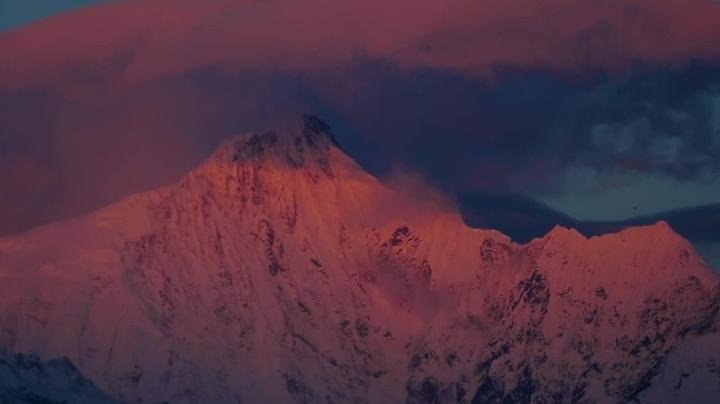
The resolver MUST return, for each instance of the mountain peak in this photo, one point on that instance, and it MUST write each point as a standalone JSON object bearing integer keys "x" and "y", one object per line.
{"x": 564, "y": 232}
{"x": 308, "y": 134}
{"x": 662, "y": 226}
{"x": 276, "y": 169}
{"x": 315, "y": 129}
{"x": 659, "y": 231}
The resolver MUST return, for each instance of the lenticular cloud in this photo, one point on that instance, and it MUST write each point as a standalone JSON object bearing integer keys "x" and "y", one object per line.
{"x": 138, "y": 40}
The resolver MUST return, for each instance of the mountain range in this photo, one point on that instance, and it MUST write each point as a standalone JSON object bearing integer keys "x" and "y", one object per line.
{"x": 524, "y": 218}
{"x": 280, "y": 271}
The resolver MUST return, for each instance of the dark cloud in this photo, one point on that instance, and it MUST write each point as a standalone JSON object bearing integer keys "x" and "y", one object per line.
{"x": 522, "y": 132}
{"x": 661, "y": 122}
{"x": 141, "y": 40}
{"x": 493, "y": 95}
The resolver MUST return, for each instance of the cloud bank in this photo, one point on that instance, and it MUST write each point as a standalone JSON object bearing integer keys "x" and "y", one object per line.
{"x": 141, "y": 40}
{"x": 125, "y": 96}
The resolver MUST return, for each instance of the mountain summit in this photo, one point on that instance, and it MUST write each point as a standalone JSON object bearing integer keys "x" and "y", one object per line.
{"x": 279, "y": 271}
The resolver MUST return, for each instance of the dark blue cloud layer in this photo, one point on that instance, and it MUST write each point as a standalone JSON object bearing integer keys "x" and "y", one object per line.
{"x": 532, "y": 125}
{"x": 518, "y": 134}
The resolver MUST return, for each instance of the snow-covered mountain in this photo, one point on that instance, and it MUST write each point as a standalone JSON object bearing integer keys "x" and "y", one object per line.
{"x": 279, "y": 271}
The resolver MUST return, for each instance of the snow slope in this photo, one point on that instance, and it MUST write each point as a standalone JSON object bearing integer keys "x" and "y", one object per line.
{"x": 279, "y": 271}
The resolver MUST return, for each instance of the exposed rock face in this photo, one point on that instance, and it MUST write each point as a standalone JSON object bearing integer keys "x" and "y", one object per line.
{"x": 279, "y": 271}
{"x": 26, "y": 379}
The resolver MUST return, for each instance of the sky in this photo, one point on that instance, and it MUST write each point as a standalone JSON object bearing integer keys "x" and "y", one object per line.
{"x": 610, "y": 112}
{"x": 14, "y": 13}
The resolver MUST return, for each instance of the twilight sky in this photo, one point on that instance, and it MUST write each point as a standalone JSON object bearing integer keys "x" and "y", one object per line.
{"x": 14, "y": 13}
{"x": 600, "y": 110}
